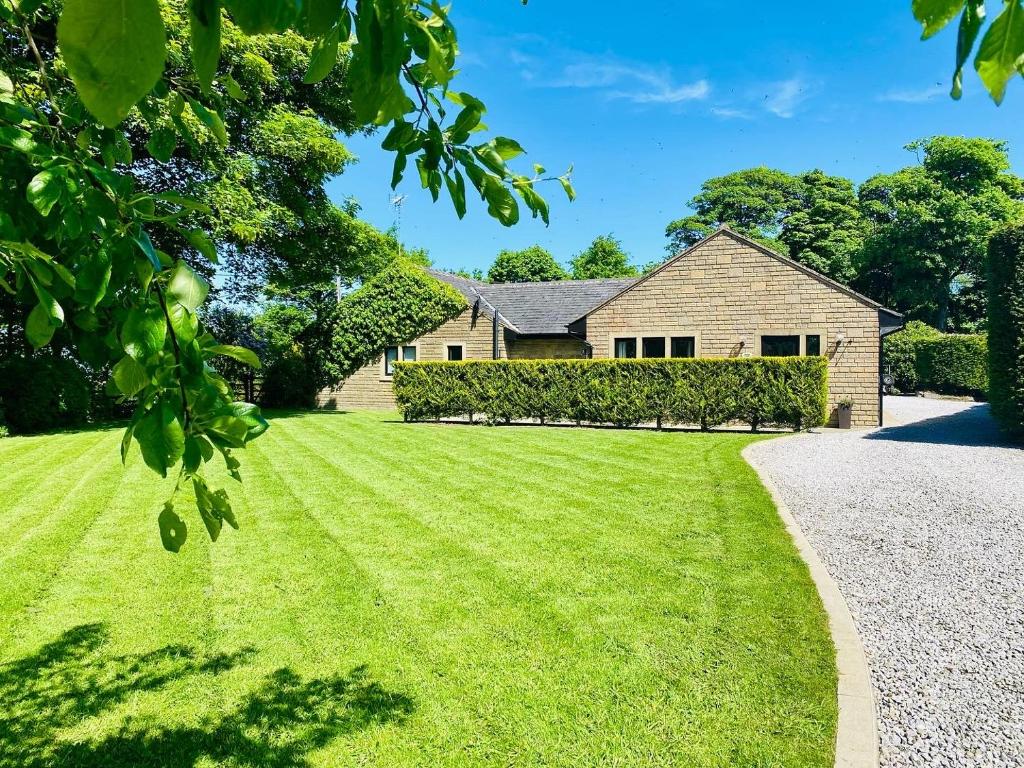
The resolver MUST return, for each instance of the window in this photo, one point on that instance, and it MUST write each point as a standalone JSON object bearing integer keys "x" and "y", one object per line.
{"x": 625, "y": 347}
{"x": 654, "y": 346}
{"x": 780, "y": 346}
{"x": 812, "y": 344}
{"x": 454, "y": 351}
{"x": 391, "y": 356}
{"x": 684, "y": 346}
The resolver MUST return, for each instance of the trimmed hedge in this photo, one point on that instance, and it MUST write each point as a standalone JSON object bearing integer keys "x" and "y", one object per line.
{"x": 899, "y": 353}
{"x": 1006, "y": 327}
{"x": 790, "y": 391}
{"x": 954, "y": 364}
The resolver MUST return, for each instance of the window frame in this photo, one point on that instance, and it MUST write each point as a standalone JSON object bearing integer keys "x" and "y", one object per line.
{"x": 384, "y": 375}
{"x": 638, "y": 337}
{"x": 802, "y": 331}
{"x": 446, "y": 345}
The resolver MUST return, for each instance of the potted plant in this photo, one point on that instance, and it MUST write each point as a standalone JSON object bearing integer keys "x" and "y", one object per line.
{"x": 845, "y": 412}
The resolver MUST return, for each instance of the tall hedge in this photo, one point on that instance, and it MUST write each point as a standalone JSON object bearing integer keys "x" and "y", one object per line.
{"x": 41, "y": 393}
{"x": 1006, "y": 327}
{"x": 954, "y": 364}
{"x": 765, "y": 391}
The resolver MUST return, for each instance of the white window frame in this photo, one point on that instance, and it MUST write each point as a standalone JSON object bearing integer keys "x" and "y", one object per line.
{"x": 639, "y": 336}
{"x": 384, "y": 375}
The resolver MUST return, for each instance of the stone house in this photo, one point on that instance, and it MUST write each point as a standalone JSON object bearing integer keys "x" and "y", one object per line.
{"x": 727, "y": 296}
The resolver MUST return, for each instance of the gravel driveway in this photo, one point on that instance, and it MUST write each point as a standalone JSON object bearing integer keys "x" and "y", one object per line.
{"x": 922, "y": 525}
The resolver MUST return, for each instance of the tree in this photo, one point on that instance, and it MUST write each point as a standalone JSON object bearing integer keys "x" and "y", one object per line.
{"x": 602, "y": 258}
{"x": 530, "y": 265}
{"x": 824, "y": 229}
{"x": 926, "y": 253}
{"x": 95, "y": 251}
{"x": 753, "y": 202}
{"x": 1002, "y": 48}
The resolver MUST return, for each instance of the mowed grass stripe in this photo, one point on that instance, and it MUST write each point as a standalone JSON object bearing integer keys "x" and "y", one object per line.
{"x": 26, "y": 472}
{"x": 543, "y": 620}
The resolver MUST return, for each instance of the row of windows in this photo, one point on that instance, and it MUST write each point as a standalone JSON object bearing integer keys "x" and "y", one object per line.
{"x": 685, "y": 346}
{"x": 654, "y": 346}
{"x": 650, "y": 346}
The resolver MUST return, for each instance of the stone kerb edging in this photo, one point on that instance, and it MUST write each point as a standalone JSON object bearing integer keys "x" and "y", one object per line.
{"x": 857, "y": 727}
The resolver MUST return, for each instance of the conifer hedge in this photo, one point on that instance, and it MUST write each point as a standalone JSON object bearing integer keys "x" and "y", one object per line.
{"x": 954, "y": 364}
{"x": 765, "y": 391}
{"x": 1006, "y": 327}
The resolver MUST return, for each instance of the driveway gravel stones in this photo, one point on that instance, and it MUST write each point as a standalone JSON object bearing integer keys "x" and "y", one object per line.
{"x": 922, "y": 526}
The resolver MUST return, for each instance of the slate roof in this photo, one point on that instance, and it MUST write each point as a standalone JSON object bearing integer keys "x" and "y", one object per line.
{"x": 537, "y": 308}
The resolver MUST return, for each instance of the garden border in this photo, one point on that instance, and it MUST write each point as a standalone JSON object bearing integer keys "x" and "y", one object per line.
{"x": 857, "y": 744}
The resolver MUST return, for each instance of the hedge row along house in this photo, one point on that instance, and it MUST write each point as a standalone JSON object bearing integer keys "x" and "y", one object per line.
{"x": 726, "y": 296}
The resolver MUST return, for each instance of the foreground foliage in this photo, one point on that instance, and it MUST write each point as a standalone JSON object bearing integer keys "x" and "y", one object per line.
{"x": 407, "y": 595}
{"x": 708, "y": 392}
{"x": 94, "y": 246}
{"x": 1006, "y": 328}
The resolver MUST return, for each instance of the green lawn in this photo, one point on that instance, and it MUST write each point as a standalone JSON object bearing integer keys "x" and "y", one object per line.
{"x": 410, "y": 594}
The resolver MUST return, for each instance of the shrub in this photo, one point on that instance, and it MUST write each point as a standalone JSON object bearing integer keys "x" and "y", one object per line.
{"x": 43, "y": 393}
{"x": 1006, "y": 327}
{"x": 758, "y": 391}
{"x": 954, "y": 364}
{"x": 899, "y": 353}
{"x": 288, "y": 383}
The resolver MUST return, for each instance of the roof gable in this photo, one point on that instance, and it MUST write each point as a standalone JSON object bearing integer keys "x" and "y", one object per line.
{"x": 726, "y": 232}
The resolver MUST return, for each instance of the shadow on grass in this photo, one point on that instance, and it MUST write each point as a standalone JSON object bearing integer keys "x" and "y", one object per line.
{"x": 277, "y": 724}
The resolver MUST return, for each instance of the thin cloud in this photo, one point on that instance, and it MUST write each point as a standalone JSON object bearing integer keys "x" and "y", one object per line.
{"x": 786, "y": 96}
{"x": 919, "y": 96}
{"x": 730, "y": 113}
{"x": 615, "y": 79}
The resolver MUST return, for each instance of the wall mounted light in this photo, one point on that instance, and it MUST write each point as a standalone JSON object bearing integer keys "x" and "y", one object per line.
{"x": 840, "y": 338}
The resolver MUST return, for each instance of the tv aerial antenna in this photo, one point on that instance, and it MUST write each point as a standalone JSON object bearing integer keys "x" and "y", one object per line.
{"x": 398, "y": 201}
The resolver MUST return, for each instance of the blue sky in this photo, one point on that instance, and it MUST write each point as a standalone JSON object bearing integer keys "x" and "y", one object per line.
{"x": 647, "y": 105}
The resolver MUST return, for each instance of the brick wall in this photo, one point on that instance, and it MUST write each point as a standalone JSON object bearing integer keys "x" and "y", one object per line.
{"x": 725, "y": 292}
{"x": 368, "y": 388}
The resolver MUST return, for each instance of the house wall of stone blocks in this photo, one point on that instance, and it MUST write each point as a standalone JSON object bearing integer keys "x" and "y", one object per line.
{"x": 727, "y": 294}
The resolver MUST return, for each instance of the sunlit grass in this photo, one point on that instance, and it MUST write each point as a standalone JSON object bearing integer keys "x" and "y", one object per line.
{"x": 410, "y": 594}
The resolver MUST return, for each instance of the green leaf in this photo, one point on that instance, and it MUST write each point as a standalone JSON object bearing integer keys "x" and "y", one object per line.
{"x": 204, "y": 25}
{"x": 186, "y": 287}
{"x": 398, "y": 169}
{"x": 508, "y": 148}
{"x": 114, "y": 52}
{"x": 567, "y": 186}
{"x": 173, "y": 530}
{"x": 93, "y": 278}
{"x": 241, "y": 354}
{"x": 318, "y": 16}
{"x": 143, "y": 332}
{"x": 970, "y": 26}
{"x": 199, "y": 240}
{"x": 259, "y": 17}
{"x": 184, "y": 323}
{"x": 457, "y": 189}
{"x": 935, "y": 14}
{"x": 323, "y": 58}
{"x": 129, "y": 376}
{"x": 161, "y": 438}
{"x": 204, "y": 501}
{"x": 38, "y": 328}
{"x": 211, "y": 120}
{"x": 161, "y": 144}
{"x": 234, "y": 89}
{"x": 45, "y": 189}
{"x": 1001, "y": 54}
{"x": 146, "y": 246}
{"x": 250, "y": 414}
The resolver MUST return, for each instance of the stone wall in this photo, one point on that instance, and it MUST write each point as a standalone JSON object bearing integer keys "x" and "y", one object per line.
{"x": 727, "y": 293}
{"x": 546, "y": 349}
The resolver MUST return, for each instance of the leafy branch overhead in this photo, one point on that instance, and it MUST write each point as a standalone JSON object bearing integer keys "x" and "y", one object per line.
{"x": 401, "y": 60}
{"x": 1000, "y": 55}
